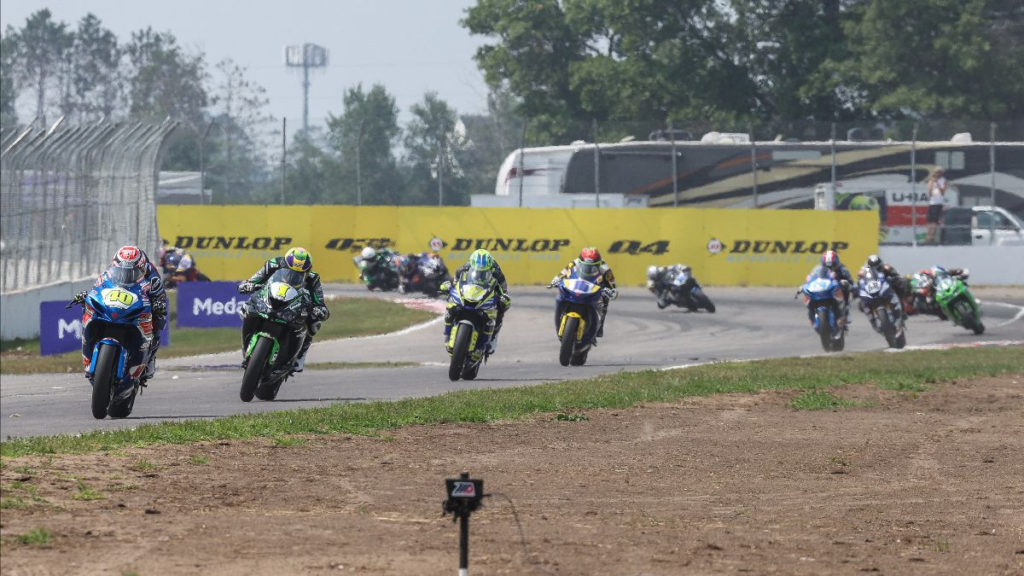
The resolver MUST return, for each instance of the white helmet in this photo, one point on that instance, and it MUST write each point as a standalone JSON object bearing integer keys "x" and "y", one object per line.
{"x": 652, "y": 271}
{"x": 368, "y": 253}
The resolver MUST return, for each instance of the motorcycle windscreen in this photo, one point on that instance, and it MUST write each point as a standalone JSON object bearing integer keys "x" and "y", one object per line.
{"x": 478, "y": 277}
{"x": 124, "y": 275}
{"x": 290, "y": 277}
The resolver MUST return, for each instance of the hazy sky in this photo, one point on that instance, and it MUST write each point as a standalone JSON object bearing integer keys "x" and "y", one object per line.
{"x": 408, "y": 46}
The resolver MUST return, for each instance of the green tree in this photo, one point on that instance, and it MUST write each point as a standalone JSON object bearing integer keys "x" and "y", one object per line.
{"x": 8, "y": 88}
{"x": 435, "y": 142}
{"x": 95, "y": 74}
{"x": 785, "y": 46}
{"x": 364, "y": 136}
{"x": 311, "y": 171}
{"x": 937, "y": 58}
{"x": 164, "y": 81}
{"x": 531, "y": 57}
{"x": 238, "y": 137}
{"x": 574, "y": 62}
{"x": 41, "y": 47}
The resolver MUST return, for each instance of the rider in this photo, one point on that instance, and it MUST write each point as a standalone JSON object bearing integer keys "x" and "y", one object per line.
{"x": 830, "y": 261}
{"x": 481, "y": 260}
{"x": 412, "y": 261}
{"x": 656, "y": 279}
{"x": 590, "y": 255}
{"x": 178, "y": 264}
{"x": 300, "y": 260}
{"x": 371, "y": 259}
{"x": 887, "y": 271}
{"x": 131, "y": 265}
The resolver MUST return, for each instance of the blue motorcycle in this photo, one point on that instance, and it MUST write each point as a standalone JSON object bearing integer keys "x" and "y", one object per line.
{"x": 119, "y": 317}
{"x": 879, "y": 301}
{"x": 576, "y": 313}
{"x": 826, "y": 308}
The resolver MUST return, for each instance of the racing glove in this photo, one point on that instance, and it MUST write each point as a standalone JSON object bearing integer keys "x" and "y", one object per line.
{"x": 321, "y": 313}
{"x": 246, "y": 287}
{"x": 611, "y": 293}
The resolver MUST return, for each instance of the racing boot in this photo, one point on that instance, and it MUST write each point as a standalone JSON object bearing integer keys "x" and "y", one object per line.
{"x": 492, "y": 344}
{"x": 300, "y": 362}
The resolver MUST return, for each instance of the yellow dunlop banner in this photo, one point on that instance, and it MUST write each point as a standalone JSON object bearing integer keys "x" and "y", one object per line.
{"x": 724, "y": 246}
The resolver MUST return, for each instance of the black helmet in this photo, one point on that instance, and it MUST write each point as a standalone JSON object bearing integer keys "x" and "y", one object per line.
{"x": 874, "y": 262}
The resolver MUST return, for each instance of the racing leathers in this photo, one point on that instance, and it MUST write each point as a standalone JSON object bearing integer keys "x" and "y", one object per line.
{"x": 318, "y": 311}
{"x": 153, "y": 287}
{"x": 842, "y": 274}
{"x": 609, "y": 292}
{"x": 504, "y": 303}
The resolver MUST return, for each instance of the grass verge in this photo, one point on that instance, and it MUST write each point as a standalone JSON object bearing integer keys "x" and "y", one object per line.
{"x": 349, "y": 317}
{"x": 907, "y": 370}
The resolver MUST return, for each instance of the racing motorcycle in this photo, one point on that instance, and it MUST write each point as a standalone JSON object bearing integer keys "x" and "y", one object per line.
{"x": 878, "y": 300}
{"x": 957, "y": 302}
{"x": 384, "y": 275}
{"x": 181, "y": 268}
{"x": 423, "y": 273}
{"x": 576, "y": 313}
{"x": 921, "y": 297}
{"x": 273, "y": 330}
{"x": 823, "y": 295}
{"x": 681, "y": 288}
{"x": 473, "y": 306}
{"x": 119, "y": 316}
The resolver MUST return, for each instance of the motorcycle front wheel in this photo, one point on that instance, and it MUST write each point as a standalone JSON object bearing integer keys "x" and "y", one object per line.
{"x": 254, "y": 369}
{"x": 572, "y": 325}
{"x": 103, "y": 380}
{"x": 460, "y": 351}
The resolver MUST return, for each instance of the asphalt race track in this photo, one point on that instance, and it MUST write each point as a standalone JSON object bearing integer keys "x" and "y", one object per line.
{"x": 749, "y": 323}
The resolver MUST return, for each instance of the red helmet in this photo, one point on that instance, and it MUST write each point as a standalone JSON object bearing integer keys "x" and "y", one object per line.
{"x": 590, "y": 255}
{"x": 830, "y": 259}
{"x": 129, "y": 265}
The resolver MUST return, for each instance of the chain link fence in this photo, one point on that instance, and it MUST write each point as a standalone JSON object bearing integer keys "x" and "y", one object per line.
{"x": 70, "y": 196}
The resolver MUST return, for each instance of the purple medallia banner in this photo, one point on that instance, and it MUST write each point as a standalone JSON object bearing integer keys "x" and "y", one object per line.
{"x": 209, "y": 305}
{"x": 60, "y": 328}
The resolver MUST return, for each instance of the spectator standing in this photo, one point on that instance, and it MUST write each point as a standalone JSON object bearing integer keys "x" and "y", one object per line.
{"x": 937, "y": 185}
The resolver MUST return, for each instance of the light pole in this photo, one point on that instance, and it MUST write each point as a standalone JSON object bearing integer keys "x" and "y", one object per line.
{"x": 202, "y": 166}
{"x": 359, "y": 178}
{"x": 305, "y": 56}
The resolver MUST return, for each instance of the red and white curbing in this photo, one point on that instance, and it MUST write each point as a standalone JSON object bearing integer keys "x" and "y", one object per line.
{"x": 429, "y": 305}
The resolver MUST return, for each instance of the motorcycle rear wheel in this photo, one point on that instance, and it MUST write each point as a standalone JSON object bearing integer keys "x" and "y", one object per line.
{"x": 254, "y": 369}
{"x": 122, "y": 408}
{"x": 470, "y": 372}
{"x": 572, "y": 325}
{"x": 706, "y": 303}
{"x": 463, "y": 334}
{"x": 103, "y": 380}
{"x": 580, "y": 358}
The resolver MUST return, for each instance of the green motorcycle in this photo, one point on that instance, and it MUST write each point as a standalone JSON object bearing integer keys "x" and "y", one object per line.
{"x": 273, "y": 330}
{"x": 957, "y": 302}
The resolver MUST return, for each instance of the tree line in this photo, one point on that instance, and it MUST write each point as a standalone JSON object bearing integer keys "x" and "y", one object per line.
{"x": 557, "y": 71}
{"x": 708, "y": 64}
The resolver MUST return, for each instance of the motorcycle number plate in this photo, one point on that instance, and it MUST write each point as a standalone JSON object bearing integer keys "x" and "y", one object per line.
{"x": 118, "y": 298}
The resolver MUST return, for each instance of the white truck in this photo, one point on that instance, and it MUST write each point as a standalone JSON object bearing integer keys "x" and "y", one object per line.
{"x": 981, "y": 226}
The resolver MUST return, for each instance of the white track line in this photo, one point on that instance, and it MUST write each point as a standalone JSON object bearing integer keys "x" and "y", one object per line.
{"x": 1020, "y": 312}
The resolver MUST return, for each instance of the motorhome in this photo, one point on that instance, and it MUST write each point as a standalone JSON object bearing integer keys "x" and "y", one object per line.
{"x": 730, "y": 171}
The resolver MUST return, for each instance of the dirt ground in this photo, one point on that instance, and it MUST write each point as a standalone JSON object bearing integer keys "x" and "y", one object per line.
{"x": 902, "y": 484}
